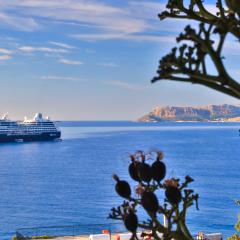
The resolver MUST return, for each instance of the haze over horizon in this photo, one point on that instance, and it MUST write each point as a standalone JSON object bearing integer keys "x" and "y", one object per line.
{"x": 74, "y": 60}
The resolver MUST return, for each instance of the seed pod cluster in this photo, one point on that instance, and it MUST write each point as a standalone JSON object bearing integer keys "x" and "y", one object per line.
{"x": 122, "y": 187}
{"x": 149, "y": 177}
{"x": 140, "y": 171}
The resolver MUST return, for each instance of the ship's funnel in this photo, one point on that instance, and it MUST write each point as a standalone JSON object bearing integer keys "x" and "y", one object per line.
{"x": 5, "y": 116}
{"x": 38, "y": 116}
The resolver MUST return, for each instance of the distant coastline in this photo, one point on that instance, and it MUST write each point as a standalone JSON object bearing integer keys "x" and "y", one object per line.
{"x": 210, "y": 113}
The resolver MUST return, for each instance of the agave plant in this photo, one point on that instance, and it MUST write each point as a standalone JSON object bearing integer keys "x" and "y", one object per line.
{"x": 149, "y": 171}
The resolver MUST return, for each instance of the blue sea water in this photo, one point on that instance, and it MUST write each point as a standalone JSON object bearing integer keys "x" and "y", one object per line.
{"x": 70, "y": 183}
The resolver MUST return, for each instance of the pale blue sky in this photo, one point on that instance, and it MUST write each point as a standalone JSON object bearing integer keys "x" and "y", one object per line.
{"x": 91, "y": 59}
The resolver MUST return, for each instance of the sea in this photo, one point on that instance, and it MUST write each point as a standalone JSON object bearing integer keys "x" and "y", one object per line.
{"x": 66, "y": 187}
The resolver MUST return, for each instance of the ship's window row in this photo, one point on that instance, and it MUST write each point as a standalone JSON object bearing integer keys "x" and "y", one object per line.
{"x": 38, "y": 123}
{"x": 27, "y": 127}
{"x": 27, "y": 132}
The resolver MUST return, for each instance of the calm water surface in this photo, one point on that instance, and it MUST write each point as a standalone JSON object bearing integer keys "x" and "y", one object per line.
{"x": 69, "y": 182}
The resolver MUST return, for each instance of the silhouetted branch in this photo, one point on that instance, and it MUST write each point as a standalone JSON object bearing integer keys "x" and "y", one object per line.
{"x": 187, "y": 63}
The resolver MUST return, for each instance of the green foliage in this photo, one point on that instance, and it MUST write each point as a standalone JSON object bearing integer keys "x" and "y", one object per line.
{"x": 237, "y": 227}
{"x": 41, "y": 237}
{"x": 234, "y": 237}
{"x": 35, "y": 237}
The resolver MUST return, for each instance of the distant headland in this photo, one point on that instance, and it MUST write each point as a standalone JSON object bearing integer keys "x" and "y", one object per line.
{"x": 219, "y": 113}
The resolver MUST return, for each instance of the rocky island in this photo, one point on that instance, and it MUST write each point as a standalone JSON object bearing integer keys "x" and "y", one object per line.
{"x": 223, "y": 113}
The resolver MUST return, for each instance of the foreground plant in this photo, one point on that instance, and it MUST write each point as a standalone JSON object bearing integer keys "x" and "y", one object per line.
{"x": 173, "y": 207}
{"x": 187, "y": 63}
{"x": 33, "y": 237}
{"x": 237, "y": 227}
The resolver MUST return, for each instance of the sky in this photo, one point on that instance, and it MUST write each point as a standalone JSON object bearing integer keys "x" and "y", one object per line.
{"x": 92, "y": 60}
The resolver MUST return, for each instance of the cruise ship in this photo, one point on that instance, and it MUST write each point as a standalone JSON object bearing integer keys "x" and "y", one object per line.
{"x": 36, "y": 129}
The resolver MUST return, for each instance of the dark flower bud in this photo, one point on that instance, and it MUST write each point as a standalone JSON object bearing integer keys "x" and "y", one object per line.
{"x": 189, "y": 179}
{"x": 150, "y": 202}
{"x": 131, "y": 221}
{"x": 173, "y": 195}
{"x": 133, "y": 169}
{"x": 122, "y": 187}
{"x": 145, "y": 172}
{"x": 158, "y": 170}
